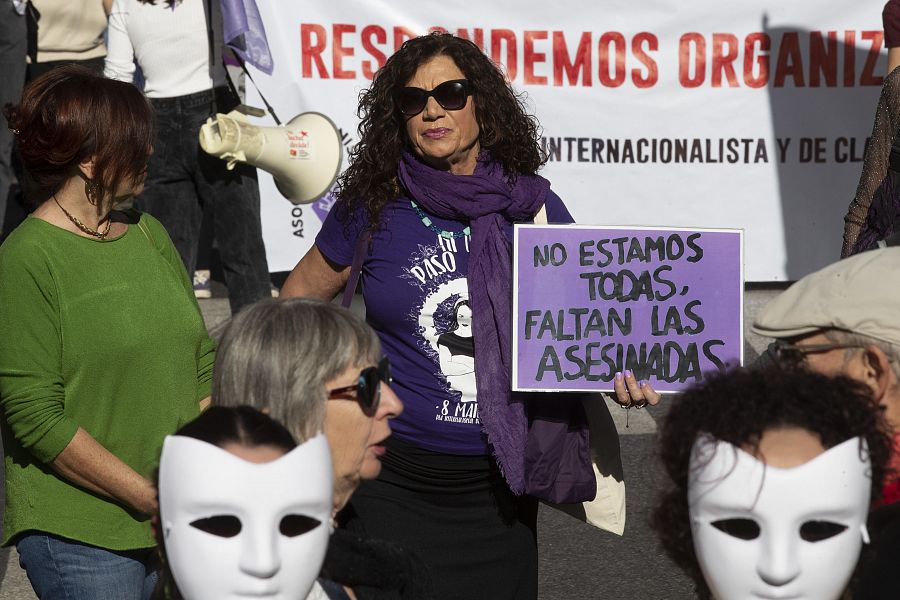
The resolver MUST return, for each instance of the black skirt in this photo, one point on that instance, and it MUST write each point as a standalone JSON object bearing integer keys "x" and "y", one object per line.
{"x": 459, "y": 516}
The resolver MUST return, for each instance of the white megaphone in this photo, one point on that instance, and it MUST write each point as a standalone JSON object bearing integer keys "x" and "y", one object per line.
{"x": 304, "y": 156}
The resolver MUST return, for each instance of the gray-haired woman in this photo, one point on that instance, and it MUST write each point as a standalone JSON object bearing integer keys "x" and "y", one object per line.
{"x": 289, "y": 357}
{"x": 301, "y": 360}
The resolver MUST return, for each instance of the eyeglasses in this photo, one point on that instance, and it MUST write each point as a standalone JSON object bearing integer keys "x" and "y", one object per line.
{"x": 451, "y": 95}
{"x": 368, "y": 386}
{"x": 796, "y": 354}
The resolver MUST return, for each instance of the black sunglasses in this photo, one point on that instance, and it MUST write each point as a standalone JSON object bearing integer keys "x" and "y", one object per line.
{"x": 796, "y": 353}
{"x": 452, "y": 95}
{"x": 368, "y": 386}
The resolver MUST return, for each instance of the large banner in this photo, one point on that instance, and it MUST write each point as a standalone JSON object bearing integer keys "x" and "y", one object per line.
{"x": 751, "y": 115}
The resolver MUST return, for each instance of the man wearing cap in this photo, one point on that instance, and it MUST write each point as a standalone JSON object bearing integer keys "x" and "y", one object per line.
{"x": 845, "y": 320}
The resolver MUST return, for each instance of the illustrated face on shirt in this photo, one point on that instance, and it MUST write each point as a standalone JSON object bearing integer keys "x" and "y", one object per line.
{"x": 463, "y": 319}
{"x": 762, "y": 531}
{"x": 238, "y": 529}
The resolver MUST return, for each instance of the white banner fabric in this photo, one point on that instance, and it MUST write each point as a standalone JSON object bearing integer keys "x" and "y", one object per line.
{"x": 751, "y": 115}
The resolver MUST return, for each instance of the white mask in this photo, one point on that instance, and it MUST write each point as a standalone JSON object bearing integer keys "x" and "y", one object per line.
{"x": 790, "y": 533}
{"x": 272, "y": 530}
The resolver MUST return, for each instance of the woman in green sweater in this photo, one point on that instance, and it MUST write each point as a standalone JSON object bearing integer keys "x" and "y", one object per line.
{"x": 103, "y": 350}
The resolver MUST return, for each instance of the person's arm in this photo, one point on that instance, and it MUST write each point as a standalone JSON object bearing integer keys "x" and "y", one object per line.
{"x": 120, "y": 53}
{"x": 875, "y": 162}
{"x": 315, "y": 277}
{"x": 86, "y": 463}
{"x": 107, "y": 6}
{"x": 324, "y": 269}
{"x": 449, "y": 367}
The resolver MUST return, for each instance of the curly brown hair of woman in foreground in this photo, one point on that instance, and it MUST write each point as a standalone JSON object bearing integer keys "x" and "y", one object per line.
{"x": 508, "y": 132}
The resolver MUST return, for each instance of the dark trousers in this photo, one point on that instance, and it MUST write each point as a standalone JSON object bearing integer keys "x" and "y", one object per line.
{"x": 183, "y": 181}
{"x": 12, "y": 79}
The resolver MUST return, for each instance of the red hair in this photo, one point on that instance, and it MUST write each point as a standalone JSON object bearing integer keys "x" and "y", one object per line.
{"x": 70, "y": 115}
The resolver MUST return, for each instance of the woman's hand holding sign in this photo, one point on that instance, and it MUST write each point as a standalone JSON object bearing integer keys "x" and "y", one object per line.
{"x": 632, "y": 393}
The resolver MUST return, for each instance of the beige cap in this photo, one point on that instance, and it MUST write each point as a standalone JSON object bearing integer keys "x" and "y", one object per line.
{"x": 860, "y": 294}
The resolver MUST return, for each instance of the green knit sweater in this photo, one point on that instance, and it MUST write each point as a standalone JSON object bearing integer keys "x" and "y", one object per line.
{"x": 100, "y": 334}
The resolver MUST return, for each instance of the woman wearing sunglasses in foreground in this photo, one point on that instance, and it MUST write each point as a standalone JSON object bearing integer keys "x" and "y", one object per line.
{"x": 302, "y": 361}
{"x": 446, "y": 163}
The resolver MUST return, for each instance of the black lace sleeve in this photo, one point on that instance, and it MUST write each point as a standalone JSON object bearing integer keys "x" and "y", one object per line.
{"x": 877, "y": 158}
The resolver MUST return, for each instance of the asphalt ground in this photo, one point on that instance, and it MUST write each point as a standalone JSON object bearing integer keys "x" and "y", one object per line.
{"x": 576, "y": 561}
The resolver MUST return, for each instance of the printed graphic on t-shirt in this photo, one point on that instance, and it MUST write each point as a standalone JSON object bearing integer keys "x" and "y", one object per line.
{"x": 444, "y": 326}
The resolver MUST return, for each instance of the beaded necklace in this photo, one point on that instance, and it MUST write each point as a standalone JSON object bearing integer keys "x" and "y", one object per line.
{"x": 94, "y": 232}
{"x": 426, "y": 221}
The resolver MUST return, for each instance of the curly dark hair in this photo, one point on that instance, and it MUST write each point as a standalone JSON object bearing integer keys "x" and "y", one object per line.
{"x": 738, "y": 407}
{"x": 508, "y": 132}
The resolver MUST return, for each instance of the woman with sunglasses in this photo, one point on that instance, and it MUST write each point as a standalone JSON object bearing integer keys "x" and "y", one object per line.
{"x": 302, "y": 362}
{"x": 446, "y": 163}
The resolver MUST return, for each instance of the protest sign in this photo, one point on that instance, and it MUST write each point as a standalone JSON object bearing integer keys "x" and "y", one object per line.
{"x": 588, "y": 302}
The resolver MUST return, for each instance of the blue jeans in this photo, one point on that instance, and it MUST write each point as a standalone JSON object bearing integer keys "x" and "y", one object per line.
{"x": 183, "y": 181}
{"x": 66, "y": 570}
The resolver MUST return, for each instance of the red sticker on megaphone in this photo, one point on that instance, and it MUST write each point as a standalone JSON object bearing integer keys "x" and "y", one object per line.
{"x": 299, "y": 145}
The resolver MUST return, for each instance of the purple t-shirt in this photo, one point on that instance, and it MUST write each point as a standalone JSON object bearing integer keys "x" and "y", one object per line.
{"x": 417, "y": 299}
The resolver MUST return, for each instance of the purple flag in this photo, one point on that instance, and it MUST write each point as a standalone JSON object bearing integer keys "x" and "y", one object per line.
{"x": 244, "y": 33}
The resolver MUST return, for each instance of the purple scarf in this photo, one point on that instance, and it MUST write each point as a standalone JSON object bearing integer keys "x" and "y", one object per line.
{"x": 488, "y": 201}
